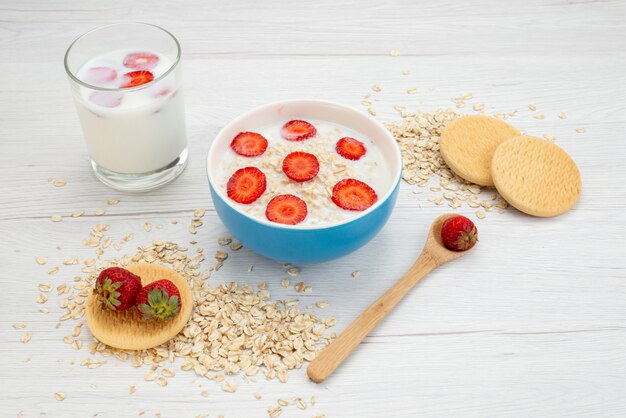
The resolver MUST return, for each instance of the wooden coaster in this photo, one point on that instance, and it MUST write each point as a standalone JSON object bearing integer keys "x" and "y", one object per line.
{"x": 536, "y": 176}
{"x": 126, "y": 329}
{"x": 468, "y": 143}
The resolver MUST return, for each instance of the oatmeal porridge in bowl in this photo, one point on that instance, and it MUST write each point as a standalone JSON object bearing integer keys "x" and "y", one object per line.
{"x": 304, "y": 180}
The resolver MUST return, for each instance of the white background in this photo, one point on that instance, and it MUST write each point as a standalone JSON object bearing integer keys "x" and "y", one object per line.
{"x": 532, "y": 323}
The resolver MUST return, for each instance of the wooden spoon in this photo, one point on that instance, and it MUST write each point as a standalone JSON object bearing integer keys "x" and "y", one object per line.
{"x": 433, "y": 255}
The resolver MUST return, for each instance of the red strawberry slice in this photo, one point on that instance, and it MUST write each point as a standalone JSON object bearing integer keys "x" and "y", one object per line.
{"x": 350, "y": 148}
{"x": 246, "y": 185}
{"x": 249, "y": 144}
{"x": 106, "y": 98}
{"x": 297, "y": 130}
{"x": 286, "y": 209}
{"x": 352, "y": 194}
{"x": 301, "y": 166}
{"x": 100, "y": 75}
{"x": 136, "y": 78}
{"x": 141, "y": 60}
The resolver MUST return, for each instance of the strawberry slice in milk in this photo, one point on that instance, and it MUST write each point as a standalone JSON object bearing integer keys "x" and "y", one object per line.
{"x": 133, "y": 121}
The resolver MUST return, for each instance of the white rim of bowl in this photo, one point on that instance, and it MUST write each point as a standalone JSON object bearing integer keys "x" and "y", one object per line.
{"x": 397, "y": 174}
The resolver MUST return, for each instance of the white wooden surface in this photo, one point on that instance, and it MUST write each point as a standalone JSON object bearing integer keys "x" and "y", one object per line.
{"x": 533, "y": 323}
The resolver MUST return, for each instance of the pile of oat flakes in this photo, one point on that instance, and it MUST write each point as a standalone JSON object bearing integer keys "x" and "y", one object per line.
{"x": 234, "y": 329}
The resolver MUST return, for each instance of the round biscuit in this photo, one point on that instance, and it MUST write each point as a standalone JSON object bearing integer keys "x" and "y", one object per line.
{"x": 126, "y": 330}
{"x": 536, "y": 176}
{"x": 468, "y": 143}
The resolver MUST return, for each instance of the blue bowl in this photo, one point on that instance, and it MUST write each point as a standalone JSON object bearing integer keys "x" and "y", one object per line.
{"x": 306, "y": 243}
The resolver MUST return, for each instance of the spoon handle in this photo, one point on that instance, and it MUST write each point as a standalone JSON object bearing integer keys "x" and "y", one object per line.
{"x": 336, "y": 352}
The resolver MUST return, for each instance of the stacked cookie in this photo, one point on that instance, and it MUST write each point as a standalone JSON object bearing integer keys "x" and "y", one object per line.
{"x": 533, "y": 175}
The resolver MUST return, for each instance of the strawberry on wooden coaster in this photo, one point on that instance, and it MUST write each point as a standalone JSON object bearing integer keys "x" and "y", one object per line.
{"x": 117, "y": 288}
{"x": 159, "y": 300}
{"x": 169, "y": 310}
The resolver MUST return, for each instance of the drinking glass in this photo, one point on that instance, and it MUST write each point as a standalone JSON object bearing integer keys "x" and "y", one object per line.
{"x": 135, "y": 133}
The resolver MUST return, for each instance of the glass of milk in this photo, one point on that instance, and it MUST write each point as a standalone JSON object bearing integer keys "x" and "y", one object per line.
{"x": 127, "y": 86}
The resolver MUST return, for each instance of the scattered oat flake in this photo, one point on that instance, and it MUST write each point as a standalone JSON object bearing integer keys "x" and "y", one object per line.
{"x": 300, "y": 403}
{"x": 42, "y": 298}
{"x": 257, "y": 395}
{"x": 221, "y": 256}
{"x": 480, "y": 214}
{"x": 562, "y": 115}
{"x": 41, "y": 260}
{"x": 406, "y": 72}
{"x": 56, "y": 218}
{"x": 274, "y": 411}
{"x": 199, "y": 213}
{"x": 284, "y": 283}
{"x": 532, "y": 107}
{"x": 161, "y": 381}
{"x": 371, "y": 111}
{"x": 293, "y": 272}
{"x": 77, "y": 213}
{"x": 236, "y": 246}
{"x": 60, "y": 396}
{"x": 479, "y": 107}
{"x": 300, "y": 287}
{"x": 99, "y": 212}
{"x": 356, "y": 274}
{"x": 376, "y": 88}
{"x": 147, "y": 227}
{"x": 26, "y": 337}
{"x": 205, "y": 393}
{"x": 44, "y": 287}
{"x": 394, "y": 52}
{"x": 282, "y": 402}
{"x": 224, "y": 241}
{"x": 549, "y": 137}
{"x": 19, "y": 325}
{"x": 132, "y": 389}
{"x": 581, "y": 130}
{"x": 59, "y": 183}
{"x": 412, "y": 90}
{"x": 539, "y": 116}
{"x": 113, "y": 202}
{"x": 322, "y": 304}
{"x": 229, "y": 386}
